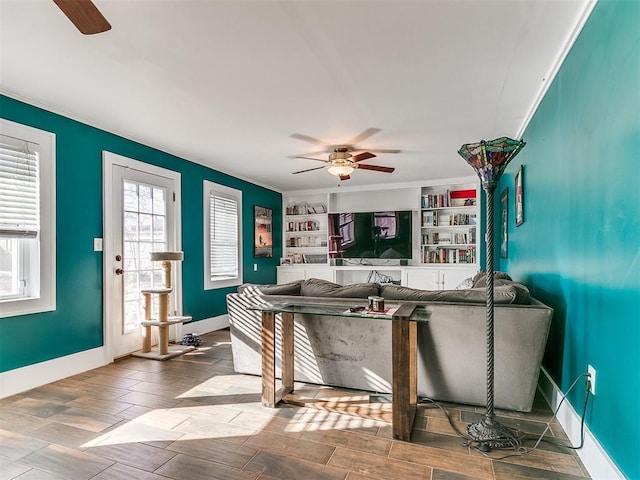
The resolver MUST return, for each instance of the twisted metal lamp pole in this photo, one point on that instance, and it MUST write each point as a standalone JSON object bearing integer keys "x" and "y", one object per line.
{"x": 489, "y": 159}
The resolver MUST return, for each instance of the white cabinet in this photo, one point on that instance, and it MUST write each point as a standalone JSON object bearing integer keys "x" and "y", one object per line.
{"x": 446, "y": 278}
{"x": 291, "y": 273}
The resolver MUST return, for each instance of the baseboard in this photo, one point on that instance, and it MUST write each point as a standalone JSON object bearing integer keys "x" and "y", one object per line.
{"x": 25, "y": 378}
{"x": 595, "y": 459}
{"x": 22, "y": 379}
{"x": 206, "y": 325}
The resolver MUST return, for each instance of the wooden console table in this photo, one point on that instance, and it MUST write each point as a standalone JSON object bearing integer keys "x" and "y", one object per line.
{"x": 404, "y": 344}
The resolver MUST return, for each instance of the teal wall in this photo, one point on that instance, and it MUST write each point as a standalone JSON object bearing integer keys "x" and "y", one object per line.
{"x": 578, "y": 249}
{"x": 76, "y": 325}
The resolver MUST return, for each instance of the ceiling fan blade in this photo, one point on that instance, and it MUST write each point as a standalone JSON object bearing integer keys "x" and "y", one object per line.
{"x": 366, "y": 134}
{"x": 377, "y": 150}
{"x": 307, "y": 138}
{"x": 307, "y": 170}
{"x": 362, "y": 156}
{"x": 344, "y": 177}
{"x": 308, "y": 154}
{"x": 316, "y": 159}
{"x": 376, "y": 168}
{"x": 84, "y": 15}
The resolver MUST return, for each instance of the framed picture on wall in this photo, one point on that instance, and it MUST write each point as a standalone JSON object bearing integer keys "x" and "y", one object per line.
{"x": 504, "y": 223}
{"x": 519, "y": 189}
{"x": 263, "y": 232}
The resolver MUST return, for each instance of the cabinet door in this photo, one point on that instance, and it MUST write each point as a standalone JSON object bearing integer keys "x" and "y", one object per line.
{"x": 424, "y": 278}
{"x": 290, "y": 274}
{"x": 323, "y": 273}
{"x": 450, "y": 278}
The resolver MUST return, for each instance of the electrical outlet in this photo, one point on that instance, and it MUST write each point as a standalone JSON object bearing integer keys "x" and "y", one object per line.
{"x": 592, "y": 379}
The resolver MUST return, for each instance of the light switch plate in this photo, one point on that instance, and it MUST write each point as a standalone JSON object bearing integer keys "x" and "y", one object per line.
{"x": 97, "y": 244}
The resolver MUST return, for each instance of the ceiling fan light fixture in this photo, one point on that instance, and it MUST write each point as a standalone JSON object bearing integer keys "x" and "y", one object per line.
{"x": 340, "y": 170}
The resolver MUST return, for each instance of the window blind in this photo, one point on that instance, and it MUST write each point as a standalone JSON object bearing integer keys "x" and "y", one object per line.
{"x": 19, "y": 189}
{"x": 223, "y": 234}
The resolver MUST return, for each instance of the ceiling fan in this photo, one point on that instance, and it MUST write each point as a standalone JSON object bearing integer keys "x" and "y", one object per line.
{"x": 84, "y": 15}
{"x": 342, "y": 162}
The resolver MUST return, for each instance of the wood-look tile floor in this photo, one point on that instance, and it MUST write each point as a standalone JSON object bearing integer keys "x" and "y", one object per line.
{"x": 193, "y": 418}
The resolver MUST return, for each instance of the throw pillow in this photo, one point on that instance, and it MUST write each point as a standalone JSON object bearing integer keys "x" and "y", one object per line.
{"x": 466, "y": 283}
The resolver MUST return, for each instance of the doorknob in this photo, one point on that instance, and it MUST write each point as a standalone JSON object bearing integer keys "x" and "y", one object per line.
{"x": 119, "y": 271}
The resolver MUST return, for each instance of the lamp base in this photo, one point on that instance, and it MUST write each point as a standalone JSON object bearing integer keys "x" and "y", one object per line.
{"x": 489, "y": 433}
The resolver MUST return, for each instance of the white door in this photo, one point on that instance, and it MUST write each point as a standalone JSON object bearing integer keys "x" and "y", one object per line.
{"x": 141, "y": 219}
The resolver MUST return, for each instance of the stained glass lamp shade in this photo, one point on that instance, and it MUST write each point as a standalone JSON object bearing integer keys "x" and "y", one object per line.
{"x": 489, "y": 159}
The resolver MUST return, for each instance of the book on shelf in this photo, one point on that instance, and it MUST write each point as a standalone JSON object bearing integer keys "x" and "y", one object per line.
{"x": 319, "y": 208}
{"x": 307, "y": 241}
{"x": 306, "y": 209}
{"x": 450, "y": 198}
{"x": 427, "y": 218}
{"x": 449, "y": 255}
{"x": 314, "y": 258}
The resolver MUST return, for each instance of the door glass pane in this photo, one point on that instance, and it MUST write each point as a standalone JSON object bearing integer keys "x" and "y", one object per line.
{"x": 144, "y": 231}
{"x": 158, "y": 201}
{"x": 130, "y": 230}
{"x": 130, "y": 197}
{"x": 145, "y": 199}
{"x": 145, "y": 227}
{"x": 131, "y": 286}
{"x": 159, "y": 230}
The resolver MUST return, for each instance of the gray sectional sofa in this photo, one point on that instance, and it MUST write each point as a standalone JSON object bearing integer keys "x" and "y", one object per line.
{"x": 355, "y": 353}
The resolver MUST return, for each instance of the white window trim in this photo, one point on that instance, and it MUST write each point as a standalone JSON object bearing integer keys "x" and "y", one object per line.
{"x": 47, "y": 153}
{"x": 208, "y": 187}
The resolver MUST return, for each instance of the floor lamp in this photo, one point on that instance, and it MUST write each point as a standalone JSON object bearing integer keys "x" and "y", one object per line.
{"x": 489, "y": 159}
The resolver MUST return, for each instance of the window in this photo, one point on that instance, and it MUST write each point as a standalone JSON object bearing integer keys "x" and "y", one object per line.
{"x": 27, "y": 220}
{"x": 385, "y": 224}
{"x": 347, "y": 228}
{"x": 222, "y": 236}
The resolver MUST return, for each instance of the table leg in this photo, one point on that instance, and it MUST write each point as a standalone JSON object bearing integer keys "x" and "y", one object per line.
{"x": 287, "y": 353}
{"x": 268, "y": 359}
{"x": 404, "y": 388}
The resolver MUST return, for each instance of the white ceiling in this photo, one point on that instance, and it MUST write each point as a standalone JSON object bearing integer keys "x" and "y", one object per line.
{"x": 227, "y": 83}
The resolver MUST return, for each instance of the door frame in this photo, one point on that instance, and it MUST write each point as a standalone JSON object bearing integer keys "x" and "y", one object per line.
{"x": 109, "y": 160}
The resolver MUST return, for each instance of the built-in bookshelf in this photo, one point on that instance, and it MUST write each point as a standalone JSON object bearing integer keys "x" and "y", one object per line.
{"x": 305, "y": 229}
{"x": 449, "y": 224}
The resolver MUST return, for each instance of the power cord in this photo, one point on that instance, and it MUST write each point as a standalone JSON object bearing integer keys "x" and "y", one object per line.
{"x": 378, "y": 277}
{"x": 587, "y": 395}
{"x": 516, "y": 437}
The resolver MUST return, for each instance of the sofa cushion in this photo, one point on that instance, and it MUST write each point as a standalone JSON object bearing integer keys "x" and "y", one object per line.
{"x": 292, "y": 288}
{"x": 522, "y": 292}
{"x": 501, "y": 295}
{"x": 480, "y": 278}
{"x": 315, "y": 287}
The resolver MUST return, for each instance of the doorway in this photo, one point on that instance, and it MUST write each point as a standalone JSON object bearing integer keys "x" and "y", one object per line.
{"x": 141, "y": 208}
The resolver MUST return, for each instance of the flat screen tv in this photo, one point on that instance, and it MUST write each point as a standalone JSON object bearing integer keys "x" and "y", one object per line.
{"x": 370, "y": 234}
